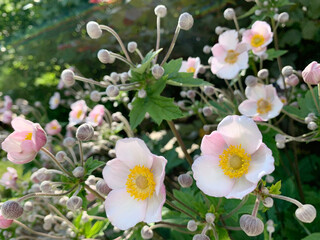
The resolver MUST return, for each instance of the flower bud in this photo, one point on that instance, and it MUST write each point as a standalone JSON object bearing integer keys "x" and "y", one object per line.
{"x": 191, "y": 94}
{"x": 47, "y": 226}
{"x": 160, "y": 11}
{"x": 251, "y": 225}
{"x": 85, "y": 217}
{"x": 185, "y": 180}
{"x": 11, "y": 210}
{"x": 142, "y": 93}
{"x": 200, "y": 237}
{"x": 49, "y": 218}
{"x": 185, "y": 21}
{"x": 312, "y": 126}
{"x": 74, "y": 203}
{"x": 112, "y": 91}
{"x": 102, "y": 187}
{"x": 60, "y": 156}
{"x": 268, "y": 202}
{"x": 85, "y": 132}
{"x": 263, "y": 73}
{"x": 69, "y": 142}
{"x": 270, "y": 229}
{"x": 292, "y": 80}
{"x": 251, "y": 81}
{"x": 269, "y": 179}
{"x": 280, "y": 138}
{"x": 157, "y": 71}
{"x": 207, "y": 49}
{"x": 28, "y": 206}
{"x": 78, "y": 172}
{"x": 5, "y": 223}
{"x": 280, "y": 145}
{"x": 283, "y": 17}
{"x": 210, "y": 217}
{"x": 257, "y": 12}
{"x": 104, "y": 56}
{"x": 67, "y": 77}
{"x": 208, "y": 90}
{"x": 132, "y": 46}
{"x": 229, "y": 14}
{"x": 218, "y": 30}
{"x": 95, "y": 96}
{"x": 63, "y": 200}
{"x": 124, "y": 76}
{"x": 93, "y": 29}
{"x": 207, "y": 111}
{"x": 146, "y": 232}
{"x": 115, "y": 76}
{"x": 192, "y": 226}
{"x": 307, "y": 213}
{"x": 46, "y": 187}
{"x": 311, "y": 74}
{"x": 287, "y": 71}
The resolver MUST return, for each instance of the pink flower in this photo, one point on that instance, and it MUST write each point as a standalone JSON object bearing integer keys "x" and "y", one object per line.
{"x": 78, "y": 112}
{"x": 229, "y": 56}
{"x": 25, "y": 142}
{"x": 311, "y": 74}
{"x": 53, "y": 127}
{"x": 54, "y": 101}
{"x": 5, "y": 223}
{"x": 9, "y": 178}
{"x": 258, "y": 37}
{"x": 136, "y": 179}
{"x": 262, "y": 102}
{"x": 7, "y": 117}
{"x": 233, "y": 159}
{"x": 95, "y": 117}
{"x": 191, "y": 66}
{"x": 7, "y": 102}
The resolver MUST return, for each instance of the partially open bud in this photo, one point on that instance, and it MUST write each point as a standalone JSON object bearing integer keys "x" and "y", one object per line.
{"x": 263, "y": 73}
{"x": 268, "y": 202}
{"x": 93, "y": 29}
{"x": 200, "y": 237}
{"x": 112, "y": 91}
{"x": 307, "y": 213}
{"x": 157, "y": 71}
{"x": 85, "y": 132}
{"x": 208, "y": 90}
{"x": 160, "y": 11}
{"x": 229, "y": 14}
{"x": 251, "y": 81}
{"x": 78, "y": 172}
{"x": 11, "y": 210}
{"x": 74, "y": 203}
{"x": 287, "y": 71}
{"x": 185, "y": 180}
{"x": 104, "y": 56}
{"x": 102, "y": 187}
{"x": 210, "y": 217}
{"x": 95, "y": 96}
{"x": 283, "y": 17}
{"x": 251, "y": 225}
{"x": 132, "y": 46}
{"x": 146, "y": 232}
{"x": 192, "y": 226}
{"x": 185, "y": 21}
{"x": 67, "y": 77}
{"x": 5, "y": 223}
{"x": 69, "y": 142}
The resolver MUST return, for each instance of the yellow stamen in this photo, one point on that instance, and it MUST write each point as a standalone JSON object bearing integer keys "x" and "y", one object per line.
{"x": 54, "y": 127}
{"x": 96, "y": 118}
{"x": 232, "y": 57}
{"x": 140, "y": 183}
{"x": 191, "y": 70}
{"x": 234, "y": 161}
{"x": 79, "y": 113}
{"x": 28, "y": 136}
{"x": 257, "y": 40}
{"x": 263, "y": 106}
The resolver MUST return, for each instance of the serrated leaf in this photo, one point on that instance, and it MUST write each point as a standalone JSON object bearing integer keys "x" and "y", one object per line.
{"x": 272, "y": 53}
{"x": 313, "y": 236}
{"x": 183, "y": 79}
{"x": 275, "y": 188}
{"x": 146, "y": 61}
{"x": 173, "y": 66}
{"x": 92, "y": 164}
{"x": 138, "y": 112}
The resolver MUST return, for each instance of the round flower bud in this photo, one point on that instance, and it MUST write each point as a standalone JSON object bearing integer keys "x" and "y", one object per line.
{"x": 206, "y": 128}
{"x": 270, "y": 222}
{"x": 218, "y": 30}
{"x": 104, "y": 56}
{"x": 85, "y": 217}
{"x": 63, "y": 200}
{"x": 93, "y": 29}
{"x": 60, "y": 156}
{"x": 85, "y": 132}
{"x": 185, "y": 180}
{"x": 95, "y": 96}
{"x": 157, "y": 71}
{"x": 312, "y": 126}
{"x": 307, "y": 213}
{"x": 78, "y": 172}
{"x": 11, "y": 210}
{"x": 207, "y": 111}
{"x": 269, "y": 179}
{"x": 191, "y": 94}
{"x": 142, "y": 93}
{"x": 146, "y": 232}
{"x": 208, "y": 90}
{"x": 67, "y": 77}
{"x": 292, "y": 80}
{"x": 46, "y": 187}
{"x": 264, "y": 190}
{"x": 192, "y": 226}
{"x": 257, "y": 12}
{"x": 124, "y": 76}
{"x": 229, "y": 14}
{"x": 200, "y": 237}
{"x": 280, "y": 145}
{"x": 280, "y": 138}
{"x": 115, "y": 76}
{"x": 185, "y": 21}
{"x": 74, "y": 203}
{"x": 47, "y": 226}
{"x": 268, "y": 202}
{"x": 112, "y": 91}
{"x": 270, "y": 229}
{"x": 251, "y": 81}
{"x": 287, "y": 71}
{"x": 207, "y": 49}
{"x": 251, "y": 225}
{"x": 28, "y": 206}
{"x": 70, "y": 215}
{"x": 210, "y": 217}
{"x": 283, "y": 17}
{"x": 160, "y": 11}
{"x": 102, "y": 187}
{"x": 49, "y": 219}
{"x": 69, "y": 142}
{"x": 263, "y": 73}
{"x": 132, "y": 46}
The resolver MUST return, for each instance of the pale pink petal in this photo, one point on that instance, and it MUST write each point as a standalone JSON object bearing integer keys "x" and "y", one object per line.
{"x": 271, "y": 92}
{"x": 229, "y": 39}
{"x": 276, "y": 107}
{"x": 39, "y": 137}
{"x": 115, "y": 174}
{"x": 242, "y": 47}
{"x": 248, "y": 108}
{"x": 213, "y": 144}
{"x": 154, "y": 206}
{"x": 184, "y": 66}
{"x": 241, "y": 130}
{"x": 20, "y": 124}
{"x": 158, "y": 170}
{"x": 210, "y": 178}
{"x": 259, "y": 50}
{"x": 191, "y": 62}
{"x": 241, "y": 188}
{"x": 26, "y": 155}
{"x": 228, "y": 71}
{"x": 219, "y": 52}
{"x": 257, "y": 92}
{"x": 5, "y": 223}
{"x": 216, "y": 65}
{"x": 242, "y": 61}
{"x": 133, "y": 151}
{"x": 262, "y": 163}
{"x": 124, "y": 211}
{"x": 263, "y": 28}
{"x": 10, "y": 144}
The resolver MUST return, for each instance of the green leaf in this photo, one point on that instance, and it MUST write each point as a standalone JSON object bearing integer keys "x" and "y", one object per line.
{"x": 272, "y": 53}
{"x": 313, "y": 236}
{"x": 98, "y": 227}
{"x": 183, "y": 79}
{"x": 249, "y": 12}
{"x": 173, "y": 66}
{"x": 91, "y": 165}
{"x": 87, "y": 227}
{"x": 223, "y": 234}
{"x": 77, "y": 220}
{"x": 137, "y": 113}
{"x": 275, "y": 188}
{"x": 146, "y": 61}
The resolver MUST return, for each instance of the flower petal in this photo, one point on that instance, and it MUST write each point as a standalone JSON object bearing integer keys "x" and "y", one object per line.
{"x": 229, "y": 39}
{"x": 26, "y": 155}
{"x": 228, "y": 71}
{"x": 20, "y": 124}
{"x": 124, "y": 211}
{"x": 248, "y": 108}
{"x": 154, "y": 206}
{"x": 158, "y": 170}
{"x": 257, "y": 92}
{"x": 241, "y": 188}
{"x": 115, "y": 174}
{"x": 210, "y": 178}
{"x": 213, "y": 144}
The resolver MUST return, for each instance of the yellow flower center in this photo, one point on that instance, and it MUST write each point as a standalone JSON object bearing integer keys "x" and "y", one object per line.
{"x": 140, "y": 183}
{"x": 191, "y": 70}
{"x": 79, "y": 113}
{"x": 28, "y": 136}
{"x": 96, "y": 118}
{"x": 234, "y": 161}
{"x": 264, "y": 106}
{"x": 54, "y": 127}
{"x": 257, "y": 40}
{"x": 232, "y": 57}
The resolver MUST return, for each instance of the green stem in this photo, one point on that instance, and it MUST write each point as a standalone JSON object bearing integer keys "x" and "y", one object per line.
{"x": 179, "y": 209}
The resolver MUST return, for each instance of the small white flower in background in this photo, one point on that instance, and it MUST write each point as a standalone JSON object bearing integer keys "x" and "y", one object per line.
{"x": 53, "y": 127}
{"x": 54, "y": 101}
{"x": 192, "y": 65}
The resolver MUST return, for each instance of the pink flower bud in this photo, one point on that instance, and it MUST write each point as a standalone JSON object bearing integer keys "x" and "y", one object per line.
{"x": 4, "y": 223}
{"x": 11, "y": 210}
{"x": 311, "y": 74}
{"x": 292, "y": 80}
